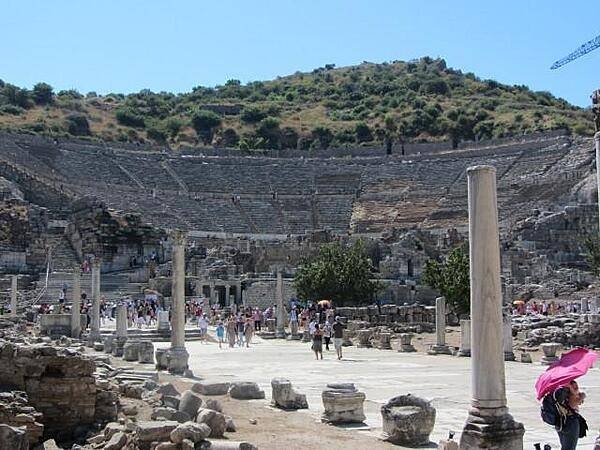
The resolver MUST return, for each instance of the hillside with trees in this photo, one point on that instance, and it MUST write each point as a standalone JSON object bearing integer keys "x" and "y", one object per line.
{"x": 365, "y": 105}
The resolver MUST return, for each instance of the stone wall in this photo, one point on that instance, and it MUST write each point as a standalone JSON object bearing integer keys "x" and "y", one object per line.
{"x": 59, "y": 383}
{"x": 261, "y": 293}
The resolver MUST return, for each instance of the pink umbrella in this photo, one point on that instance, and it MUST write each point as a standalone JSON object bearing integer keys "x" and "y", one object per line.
{"x": 570, "y": 366}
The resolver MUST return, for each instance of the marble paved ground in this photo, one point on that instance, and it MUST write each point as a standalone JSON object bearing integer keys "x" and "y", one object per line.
{"x": 383, "y": 374}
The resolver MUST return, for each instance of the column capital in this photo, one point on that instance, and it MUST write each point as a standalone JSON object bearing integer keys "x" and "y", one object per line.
{"x": 96, "y": 261}
{"x": 178, "y": 237}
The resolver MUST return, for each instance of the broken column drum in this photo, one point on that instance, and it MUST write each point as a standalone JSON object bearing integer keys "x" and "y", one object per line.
{"x": 405, "y": 343}
{"x": 489, "y": 425}
{"x": 465, "y": 338}
{"x": 177, "y": 356}
{"x": 507, "y": 340}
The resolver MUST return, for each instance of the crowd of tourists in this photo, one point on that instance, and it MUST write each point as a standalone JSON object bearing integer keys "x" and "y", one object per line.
{"x": 545, "y": 308}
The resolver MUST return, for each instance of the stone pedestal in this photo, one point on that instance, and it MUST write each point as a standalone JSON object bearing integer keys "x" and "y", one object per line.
{"x": 440, "y": 347}
{"x": 271, "y": 323}
{"x": 507, "y": 339}
{"x": 306, "y": 336}
{"x": 13, "y": 295}
{"x": 163, "y": 323}
{"x": 465, "y": 338}
{"x": 406, "y": 343}
{"x": 76, "y": 303}
{"x": 280, "y": 330}
{"x": 407, "y": 421}
{"x": 285, "y": 397}
{"x": 596, "y": 305}
{"x": 95, "y": 313}
{"x": 364, "y": 338}
{"x": 109, "y": 343}
{"x": 385, "y": 341}
{"x": 146, "y": 352}
{"x": 489, "y": 425}
{"x": 343, "y": 404}
{"x": 550, "y": 349}
{"x": 584, "y": 306}
{"x": 161, "y": 358}
{"x": 177, "y": 356}
{"x": 131, "y": 351}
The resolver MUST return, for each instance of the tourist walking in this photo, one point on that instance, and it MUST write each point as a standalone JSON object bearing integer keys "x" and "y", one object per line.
{"x": 327, "y": 331}
{"x": 240, "y": 331}
{"x": 220, "y": 333}
{"x": 231, "y": 331}
{"x": 317, "y": 342}
{"x": 203, "y": 325}
{"x": 248, "y": 331}
{"x": 570, "y": 425}
{"x": 338, "y": 336}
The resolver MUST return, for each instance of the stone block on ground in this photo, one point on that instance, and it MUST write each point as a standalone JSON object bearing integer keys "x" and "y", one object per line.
{"x": 226, "y": 445}
{"x": 116, "y": 442}
{"x": 170, "y": 401}
{"x": 98, "y": 346}
{"x": 168, "y": 389}
{"x": 163, "y": 412}
{"x": 215, "y": 421}
{"x": 246, "y": 390}
{"x": 343, "y": 404}
{"x": 131, "y": 351}
{"x": 146, "y": 352}
{"x": 408, "y": 420}
{"x": 190, "y": 403}
{"x": 214, "y": 404}
{"x": 193, "y": 431}
{"x": 150, "y": 431}
{"x": 230, "y": 425}
{"x": 212, "y": 387}
{"x": 285, "y": 397}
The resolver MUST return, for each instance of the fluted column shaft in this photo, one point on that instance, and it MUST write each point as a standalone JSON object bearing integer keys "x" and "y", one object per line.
{"x": 76, "y": 303}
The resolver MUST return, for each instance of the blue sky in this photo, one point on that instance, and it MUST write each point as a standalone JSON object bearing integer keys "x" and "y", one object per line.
{"x": 128, "y": 45}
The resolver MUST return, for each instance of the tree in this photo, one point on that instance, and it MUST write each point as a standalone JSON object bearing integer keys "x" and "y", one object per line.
{"x": 42, "y": 94}
{"x": 77, "y": 124}
{"x": 451, "y": 278}
{"x": 363, "y": 132}
{"x": 205, "y": 123}
{"x": 592, "y": 253}
{"x": 268, "y": 129}
{"x": 322, "y": 135}
{"x": 338, "y": 273}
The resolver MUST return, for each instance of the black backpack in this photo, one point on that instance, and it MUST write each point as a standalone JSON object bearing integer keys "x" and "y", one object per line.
{"x": 549, "y": 409}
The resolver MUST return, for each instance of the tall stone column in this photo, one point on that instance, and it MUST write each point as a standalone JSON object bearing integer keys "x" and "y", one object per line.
{"x": 227, "y": 301}
{"x": 440, "y": 347}
{"x": 13, "y": 295}
{"x": 465, "y": 338}
{"x": 177, "y": 355}
{"x": 76, "y": 303}
{"x": 121, "y": 333}
{"x": 95, "y": 322}
{"x": 489, "y": 425}
{"x": 280, "y": 330}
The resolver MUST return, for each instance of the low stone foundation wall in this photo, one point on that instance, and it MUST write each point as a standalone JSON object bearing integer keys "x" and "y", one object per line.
{"x": 389, "y": 314}
{"x": 59, "y": 383}
{"x": 57, "y": 324}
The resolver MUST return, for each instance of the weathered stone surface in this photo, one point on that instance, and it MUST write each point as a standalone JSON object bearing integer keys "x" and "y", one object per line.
{"x": 130, "y": 410}
{"x": 246, "y": 390}
{"x": 343, "y": 405}
{"x": 166, "y": 446}
{"x": 131, "y": 351}
{"x": 162, "y": 412}
{"x": 214, "y": 419}
{"x": 146, "y": 352}
{"x": 408, "y": 420}
{"x": 50, "y": 444}
{"x": 193, "y": 431}
{"x": 111, "y": 428}
{"x": 285, "y": 397}
{"x": 181, "y": 416}
{"x": 116, "y": 442}
{"x": 211, "y": 387}
{"x": 150, "y": 431}
{"x": 230, "y": 425}
{"x": 13, "y": 438}
{"x": 190, "y": 403}
{"x": 170, "y": 401}
{"x": 168, "y": 389}
{"x": 226, "y": 445}
{"x": 214, "y": 404}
